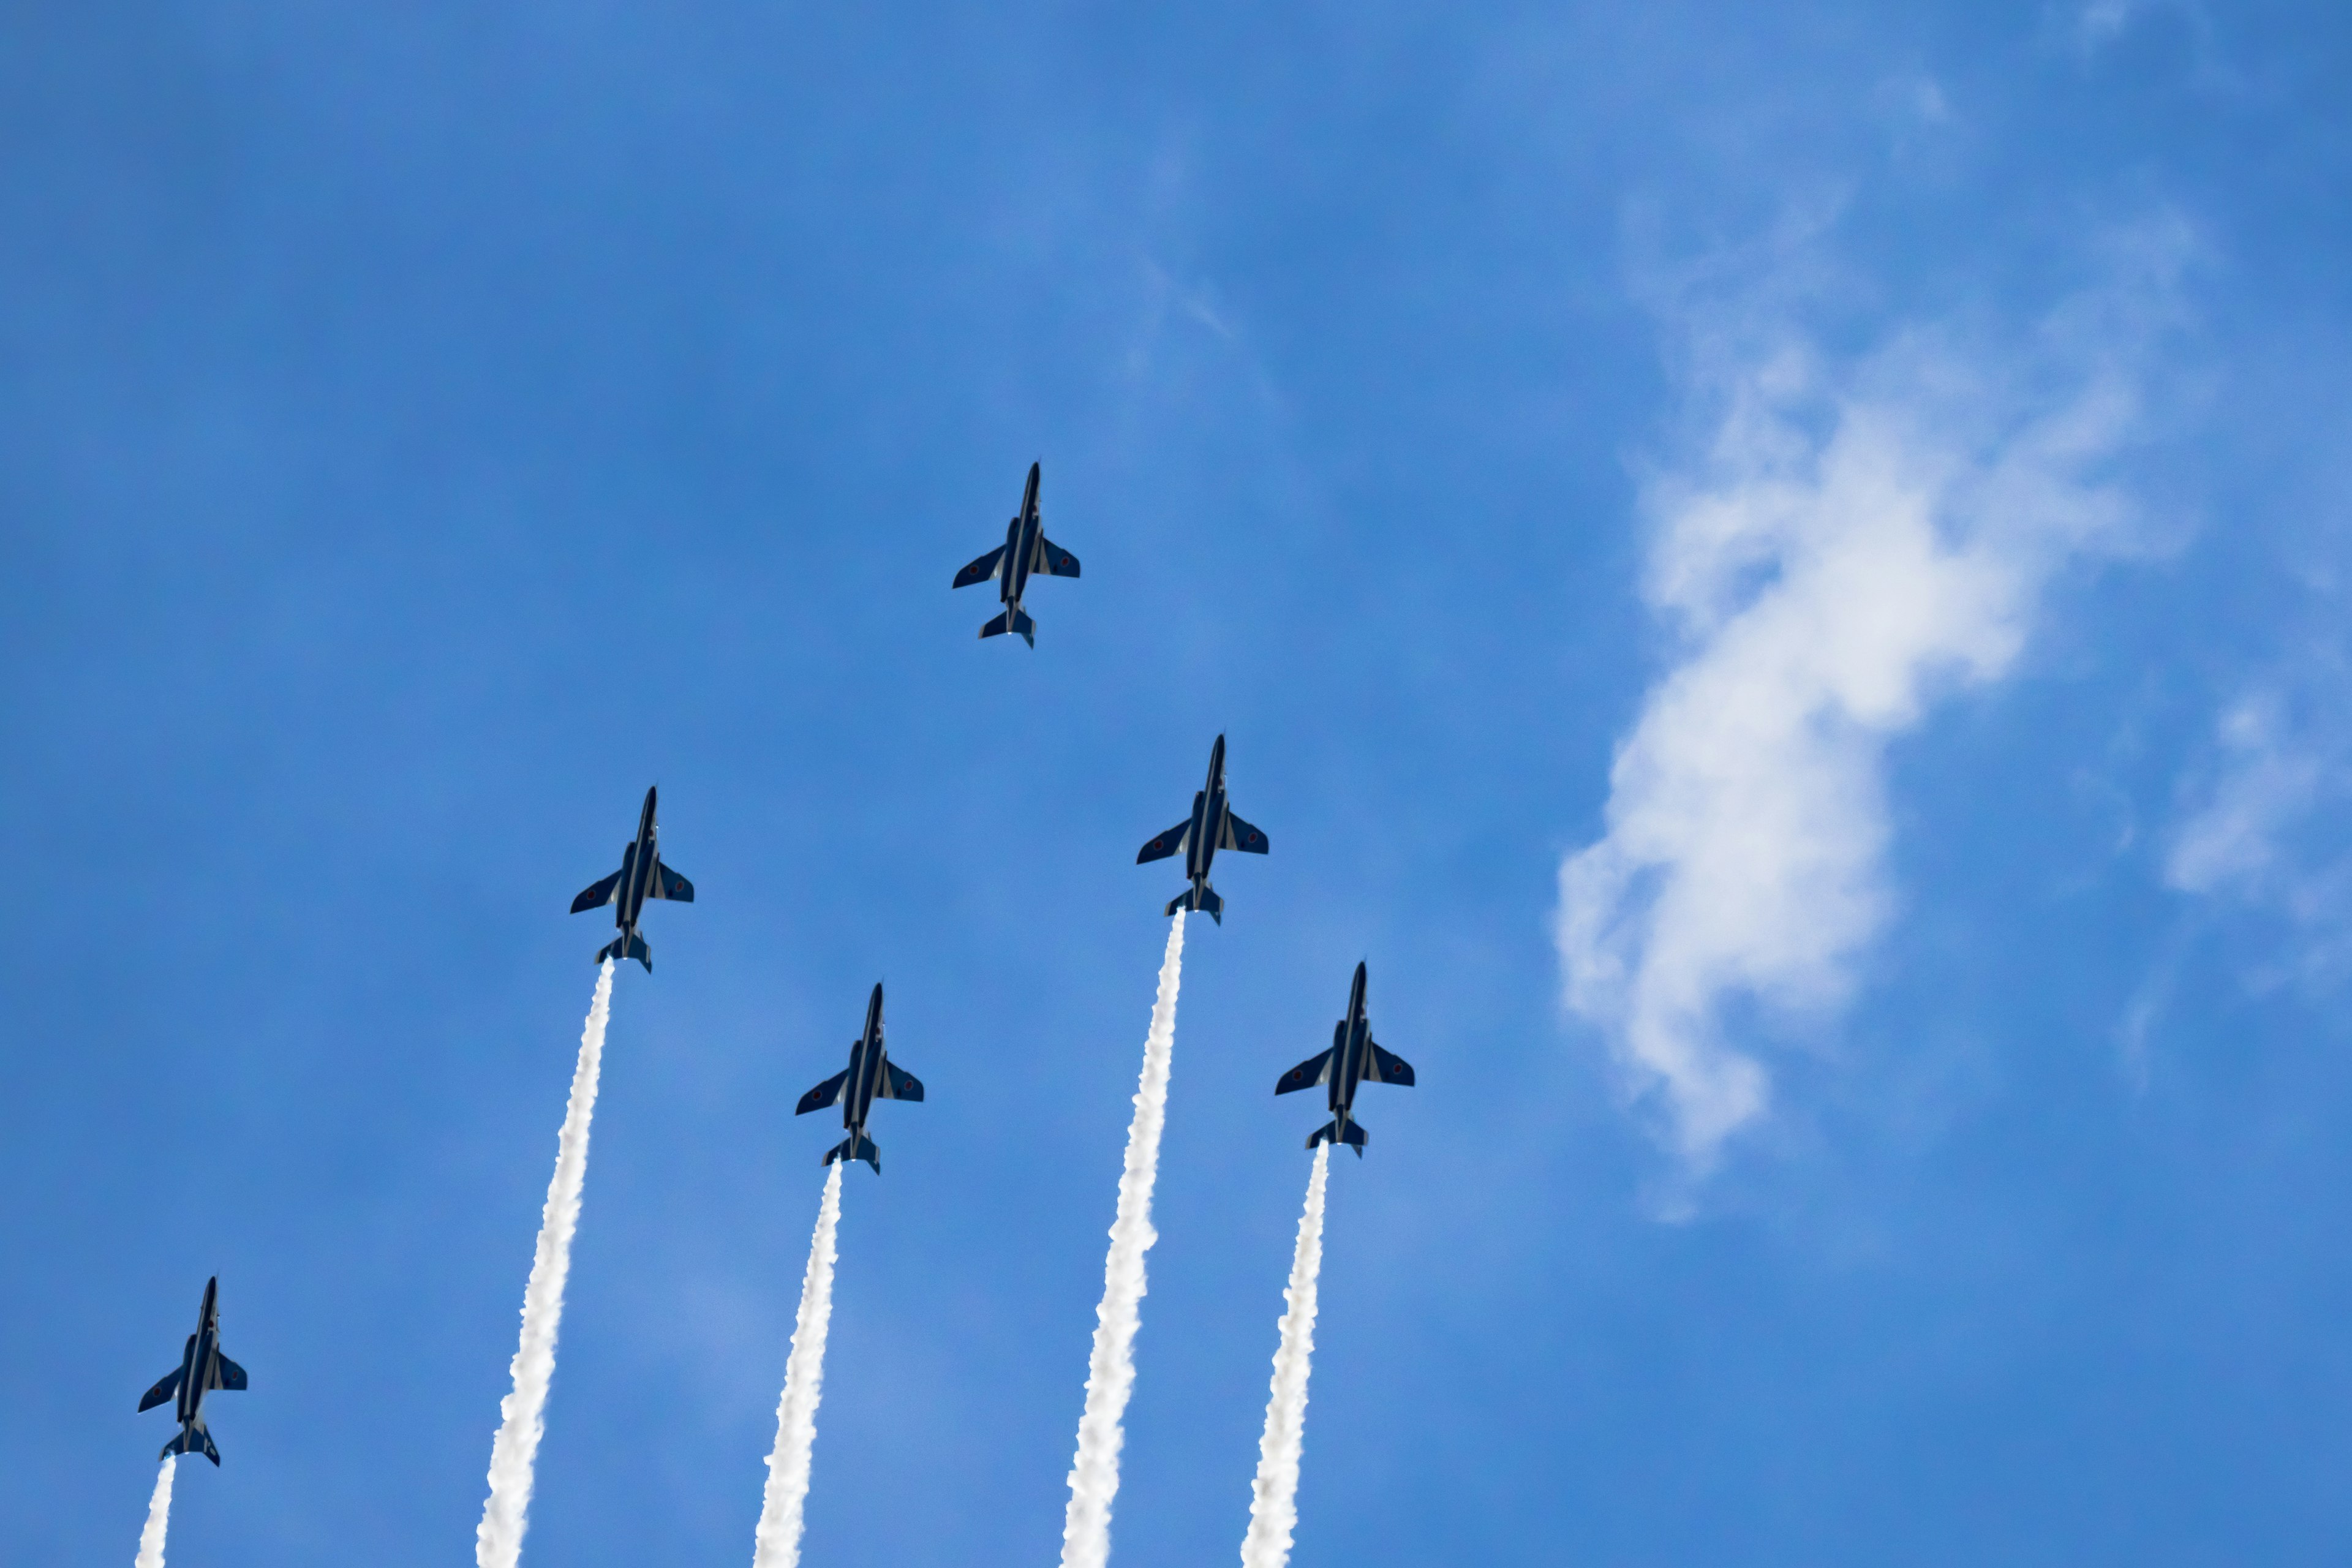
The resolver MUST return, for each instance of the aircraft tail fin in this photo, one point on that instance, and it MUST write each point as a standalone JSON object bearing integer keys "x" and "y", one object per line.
{"x": 1203, "y": 898}
{"x": 856, "y": 1146}
{"x": 1012, "y": 621}
{"x": 1353, "y": 1135}
{"x": 636, "y": 949}
{"x": 192, "y": 1439}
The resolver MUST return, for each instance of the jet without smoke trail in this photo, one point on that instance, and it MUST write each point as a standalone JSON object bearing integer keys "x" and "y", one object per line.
{"x": 777, "y": 1542}
{"x": 202, "y": 1369}
{"x": 1274, "y": 1498}
{"x": 159, "y": 1517}
{"x": 1025, "y": 551}
{"x": 1110, "y": 1371}
{"x": 498, "y": 1540}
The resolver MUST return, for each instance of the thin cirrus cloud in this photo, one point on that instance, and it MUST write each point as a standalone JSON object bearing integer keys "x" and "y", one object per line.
{"x": 2267, "y": 780}
{"x": 1846, "y": 543}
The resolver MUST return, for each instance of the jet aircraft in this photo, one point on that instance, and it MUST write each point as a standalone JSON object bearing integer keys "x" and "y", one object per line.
{"x": 1026, "y": 550}
{"x": 1212, "y": 827}
{"x": 202, "y": 1369}
{"x": 870, "y": 1075}
{"x": 1353, "y": 1059}
{"x": 641, "y": 876}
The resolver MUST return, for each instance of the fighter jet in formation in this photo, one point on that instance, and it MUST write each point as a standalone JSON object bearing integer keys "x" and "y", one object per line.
{"x": 1026, "y": 550}
{"x": 1353, "y": 1059}
{"x": 1212, "y": 827}
{"x": 641, "y": 876}
{"x": 870, "y": 1075}
{"x": 202, "y": 1369}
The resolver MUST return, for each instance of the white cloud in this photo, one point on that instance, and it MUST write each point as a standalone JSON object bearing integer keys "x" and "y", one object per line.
{"x": 2103, "y": 21}
{"x": 1848, "y": 543}
{"x": 2268, "y": 781}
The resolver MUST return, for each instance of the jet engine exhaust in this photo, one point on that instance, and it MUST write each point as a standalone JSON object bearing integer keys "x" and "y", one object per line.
{"x": 159, "y": 1519}
{"x": 1274, "y": 1499}
{"x": 778, "y": 1541}
{"x": 1110, "y": 1374}
{"x": 499, "y": 1540}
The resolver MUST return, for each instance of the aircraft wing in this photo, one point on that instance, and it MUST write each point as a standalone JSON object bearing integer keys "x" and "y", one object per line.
{"x": 668, "y": 884}
{"x": 898, "y": 1083}
{"x": 1387, "y": 1068}
{"x": 596, "y": 893}
{"x": 1241, "y": 836}
{"x": 227, "y": 1374}
{"x": 824, "y": 1094}
{"x": 1052, "y": 559}
{"x": 163, "y": 1390}
{"x": 1315, "y": 1069}
{"x": 1169, "y": 843}
{"x": 981, "y": 570}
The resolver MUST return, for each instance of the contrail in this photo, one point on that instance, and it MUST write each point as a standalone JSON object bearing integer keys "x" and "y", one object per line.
{"x": 1274, "y": 1502}
{"x": 778, "y": 1541}
{"x": 159, "y": 1517}
{"x": 497, "y": 1542}
{"x": 1110, "y": 1375}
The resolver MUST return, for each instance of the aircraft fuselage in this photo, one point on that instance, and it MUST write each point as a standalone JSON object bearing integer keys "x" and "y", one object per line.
{"x": 1352, "y": 1041}
{"x": 639, "y": 856}
{"x": 1021, "y": 543}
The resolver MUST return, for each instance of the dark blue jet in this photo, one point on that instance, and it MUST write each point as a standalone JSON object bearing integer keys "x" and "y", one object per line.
{"x": 1352, "y": 1059}
{"x": 1026, "y": 550}
{"x": 870, "y": 1076}
{"x": 202, "y": 1369}
{"x": 1212, "y": 827}
{"x": 641, "y": 876}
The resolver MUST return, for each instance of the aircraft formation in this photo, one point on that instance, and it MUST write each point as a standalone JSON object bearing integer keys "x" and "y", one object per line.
{"x": 1352, "y": 1059}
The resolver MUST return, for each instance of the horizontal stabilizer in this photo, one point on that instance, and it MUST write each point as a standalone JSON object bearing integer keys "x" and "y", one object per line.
{"x": 636, "y": 949}
{"x": 1202, "y": 899}
{"x": 227, "y": 1374}
{"x": 1241, "y": 836}
{"x": 1315, "y": 1069}
{"x": 192, "y": 1439}
{"x": 856, "y": 1147}
{"x": 165, "y": 1389}
{"x": 824, "y": 1094}
{"x": 898, "y": 1083}
{"x": 668, "y": 884}
{"x": 596, "y": 893}
{"x": 981, "y": 570}
{"x": 1329, "y": 1132}
{"x": 1169, "y": 843}
{"x": 1013, "y": 621}
{"x": 1387, "y": 1068}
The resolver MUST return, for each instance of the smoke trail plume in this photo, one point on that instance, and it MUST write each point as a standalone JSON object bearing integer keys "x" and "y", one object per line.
{"x": 498, "y": 1544}
{"x": 159, "y": 1517}
{"x": 1274, "y": 1501}
{"x": 778, "y": 1541}
{"x": 1110, "y": 1375}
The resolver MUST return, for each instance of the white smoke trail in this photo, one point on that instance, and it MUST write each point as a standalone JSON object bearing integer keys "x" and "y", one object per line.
{"x": 497, "y": 1542}
{"x": 1110, "y": 1375}
{"x": 1274, "y": 1501}
{"x": 159, "y": 1519}
{"x": 778, "y": 1541}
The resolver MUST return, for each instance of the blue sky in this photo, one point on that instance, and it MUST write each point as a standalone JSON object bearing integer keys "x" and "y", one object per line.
{"x": 1778, "y": 576}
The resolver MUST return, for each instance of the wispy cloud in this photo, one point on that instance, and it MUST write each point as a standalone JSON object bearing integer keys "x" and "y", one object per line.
{"x": 2259, "y": 830}
{"x": 2268, "y": 780}
{"x": 1843, "y": 544}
